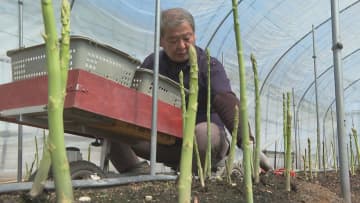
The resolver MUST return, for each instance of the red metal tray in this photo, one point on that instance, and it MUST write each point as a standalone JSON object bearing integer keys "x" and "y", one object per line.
{"x": 94, "y": 107}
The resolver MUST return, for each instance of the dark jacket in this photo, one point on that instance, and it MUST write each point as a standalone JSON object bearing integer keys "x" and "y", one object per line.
{"x": 218, "y": 79}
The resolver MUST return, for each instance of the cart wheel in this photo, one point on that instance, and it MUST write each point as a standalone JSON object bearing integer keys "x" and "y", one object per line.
{"x": 85, "y": 170}
{"x": 79, "y": 170}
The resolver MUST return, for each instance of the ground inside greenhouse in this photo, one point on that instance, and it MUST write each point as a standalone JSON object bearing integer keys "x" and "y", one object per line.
{"x": 323, "y": 189}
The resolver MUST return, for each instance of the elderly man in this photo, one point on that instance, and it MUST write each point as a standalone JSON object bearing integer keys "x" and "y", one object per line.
{"x": 177, "y": 33}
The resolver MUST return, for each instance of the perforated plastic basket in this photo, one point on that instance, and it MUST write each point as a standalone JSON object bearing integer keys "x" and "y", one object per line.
{"x": 85, "y": 54}
{"x": 168, "y": 90}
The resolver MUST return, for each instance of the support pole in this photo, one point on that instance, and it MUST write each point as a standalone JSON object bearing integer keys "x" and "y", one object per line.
{"x": 339, "y": 95}
{"x": 20, "y": 127}
{"x": 21, "y": 20}
{"x": 155, "y": 88}
{"x": 20, "y": 150}
{"x": 316, "y": 101}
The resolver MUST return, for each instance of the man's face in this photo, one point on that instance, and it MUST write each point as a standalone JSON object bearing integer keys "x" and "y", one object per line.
{"x": 176, "y": 42}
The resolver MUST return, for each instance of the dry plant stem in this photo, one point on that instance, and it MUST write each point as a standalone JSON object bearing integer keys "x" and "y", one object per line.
{"x": 27, "y": 171}
{"x": 230, "y": 161}
{"x": 207, "y": 167}
{"x": 183, "y": 109}
{"x": 89, "y": 152}
{"x": 36, "y": 153}
{"x": 288, "y": 145}
{"x": 334, "y": 142}
{"x": 309, "y": 157}
{"x": 334, "y": 156}
{"x": 243, "y": 108}
{"x": 56, "y": 85}
{"x": 185, "y": 179}
{"x": 257, "y": 119}
{"x": 42, "y": 172}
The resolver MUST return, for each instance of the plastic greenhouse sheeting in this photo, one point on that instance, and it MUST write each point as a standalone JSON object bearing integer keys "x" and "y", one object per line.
{"x": 277, "y": 32}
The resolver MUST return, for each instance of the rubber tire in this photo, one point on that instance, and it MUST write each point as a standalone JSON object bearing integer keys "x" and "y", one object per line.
{"x": 79, "y": 170}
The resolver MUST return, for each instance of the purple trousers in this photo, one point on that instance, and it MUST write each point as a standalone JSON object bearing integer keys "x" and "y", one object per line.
{"x": 124, "y": 156}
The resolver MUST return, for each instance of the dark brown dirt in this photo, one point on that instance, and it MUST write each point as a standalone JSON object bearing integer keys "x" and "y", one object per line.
{"x": 323, "y": 189}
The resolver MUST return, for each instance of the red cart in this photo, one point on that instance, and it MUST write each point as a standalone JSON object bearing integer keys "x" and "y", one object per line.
{"x": 107, "y": 96}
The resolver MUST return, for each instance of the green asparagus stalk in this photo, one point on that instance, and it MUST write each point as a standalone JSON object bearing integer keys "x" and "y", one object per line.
{"x": 243, "y": 111}
{"x": 207, "y": 167}
{"x": 352, "y": 160}
{"x": 60, "y": 165}
{"x": 316, "y": 161}
{"x": 65, "y": 45}
{"x": 257, "y": 119}
{"x": 304, "y": 159}
{"x": 324, "y": 157}
{"x": 284, "y": 125}
{"x": 228, "y": 172}
{"x": 348, "y": 156}
{"x": 184, "y": 186}
{"x": 288, "y": 145}
{"x": 183, "y": 101}
{"x": 198, "y": 163}
{"x": 354, "y": 133}
{"x": 352, "y": 163}
{"x": 230, "y": 161}
{"x": 309, "y": 157}
{"x": 252, "y": 160}
{"x": 183, "y": 108}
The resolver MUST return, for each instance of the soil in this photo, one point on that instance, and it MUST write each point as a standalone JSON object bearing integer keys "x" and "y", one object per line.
{"x": 323, "y": 189}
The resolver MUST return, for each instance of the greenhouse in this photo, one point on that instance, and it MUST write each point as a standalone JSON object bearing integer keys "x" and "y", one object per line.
{"x": 294, "y": 43}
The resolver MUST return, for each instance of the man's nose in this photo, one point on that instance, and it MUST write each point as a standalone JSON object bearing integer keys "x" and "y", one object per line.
{"x": 183, "y": 44}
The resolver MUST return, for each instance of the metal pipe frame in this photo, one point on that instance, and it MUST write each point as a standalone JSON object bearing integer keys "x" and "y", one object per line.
{"x": 20, "y": 127}
{"x": 316, "y": 101}
{"x": 339, "y": 96}
{"x": 155, "y": 89}
{"x": 308, "y": 89}
{"x": 296, "y": 43}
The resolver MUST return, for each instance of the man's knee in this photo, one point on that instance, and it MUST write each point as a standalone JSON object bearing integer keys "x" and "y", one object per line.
{"x": 202, "y": 136}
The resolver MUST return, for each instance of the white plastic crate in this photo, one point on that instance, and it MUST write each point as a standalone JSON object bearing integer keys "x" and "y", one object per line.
{"x": 85, "y": 54}
{"x": 168, "y": 90}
